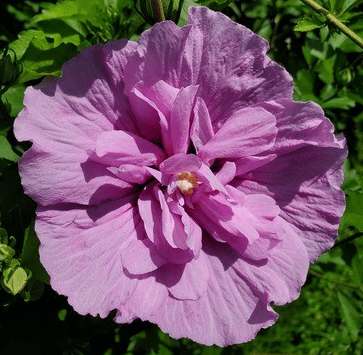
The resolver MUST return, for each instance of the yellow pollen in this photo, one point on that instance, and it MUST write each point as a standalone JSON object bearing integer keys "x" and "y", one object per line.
{"x": 187, "y": 181}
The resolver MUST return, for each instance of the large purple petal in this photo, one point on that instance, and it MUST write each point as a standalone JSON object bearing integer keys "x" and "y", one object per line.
{"x": 81, "y": 250}
{"x": 52, "y": 175}
{"x": 305, "y": 177}
{"x": 63, "y": 119}
{"x": 231, "y": 64}
{"x": 229, "y": 312}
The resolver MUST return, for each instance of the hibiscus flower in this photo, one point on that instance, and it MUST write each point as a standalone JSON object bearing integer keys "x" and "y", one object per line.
{"x": 178, "y": 182}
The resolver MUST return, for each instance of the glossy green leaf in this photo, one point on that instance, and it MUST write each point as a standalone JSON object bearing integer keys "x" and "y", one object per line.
{"x": 353, "y": 215}
{"x": 14, "y": 96}
{"x": 347, "y": 5}
{"x": 350, "y": 315}
{"x": 6, "y": 150}
{"x": 309, "y": 24}
{"x": 342, "y": 103}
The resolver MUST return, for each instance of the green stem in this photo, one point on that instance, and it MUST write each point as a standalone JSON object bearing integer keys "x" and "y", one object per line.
{"x": 338, "y": 282}
{"x": 348, "y": 239}
{"x": 331, "y": 18}
{"x": 158, "y": 10}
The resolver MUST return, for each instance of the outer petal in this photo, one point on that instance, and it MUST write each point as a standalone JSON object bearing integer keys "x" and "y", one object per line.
{"x": 51, "y": 176}
{"x": 305, "y": 177}
{"x": 63, "y": 120}
{"x": 145, "y": 301}
{"x": 278, "y": 280}
{"x": 81, "y": 250}
{"x": 186, "y": 282}
{"x": 229, "y": 312}
{"x": 227, "y": 61}
{"x": 168, "y": 54}
{"x": 232, "y": 67}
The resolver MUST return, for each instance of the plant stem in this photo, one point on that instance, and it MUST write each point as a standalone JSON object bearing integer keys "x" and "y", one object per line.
{"x": 158, "y": 10}
{"x": 331, "y": 18}
{"x": 338, "y": 282}
{"x": 348, "y": 239}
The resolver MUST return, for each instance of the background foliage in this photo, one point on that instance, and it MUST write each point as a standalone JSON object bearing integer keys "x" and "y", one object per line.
{"x": 36, "y": 38}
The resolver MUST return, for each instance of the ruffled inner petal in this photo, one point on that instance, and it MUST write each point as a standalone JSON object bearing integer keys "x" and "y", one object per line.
{"x": 305, "y": 177}
{"x": 119, "y": 147}
{"x": 180, "y": 162}
{"x": 163, "y": 227}
{"x": 180, "y": 117}
{"x": 141, "y": 257}
{"x": 201, "y": 129}
{"x": 152, "y": 105}
{"x": 186, "y": 282}
{"x": 133, "y": 174}
{"x": 248, "y": 132}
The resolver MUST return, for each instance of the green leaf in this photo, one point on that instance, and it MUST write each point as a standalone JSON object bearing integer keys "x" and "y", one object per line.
{"x": 357, "y": 267}
{"x": 61, "y": 32}
{"x": 184, "y": 12}
{"x": 62, "y": 9}
{"x": 39, "y": 60}
{"x": 6, "y": 253}
{"x": 15, "y": 96}
{"x": 304, "y": 86}
{"x": 342, "y": 103}
{"x": 6, "y": 151}
{"x": 309, "y": 23}
{"x": 3, "y": 236}
{"x": 14, "y": 277}
{"x": 342, "y": 42}
{"x": 351, "y": 316}
{"x": 352, "y": 181}
{"x": 39, "y": 56}
{"x": 20, "y": 45}
{"x": 353, "y": 215}
{"x": 30, "y": 256}
{"x": 347, "y": 5}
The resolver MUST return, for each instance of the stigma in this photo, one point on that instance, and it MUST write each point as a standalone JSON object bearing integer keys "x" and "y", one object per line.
{"x": 187, "y": 181}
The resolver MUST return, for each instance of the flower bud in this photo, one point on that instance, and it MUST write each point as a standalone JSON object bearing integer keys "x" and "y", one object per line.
{"x": 159, "y": 10}
{"x": 9, "y": 69}
{"x": 345, "y": 76}
{"x": 6, "y": 253}
{"x": 14, "y": 277}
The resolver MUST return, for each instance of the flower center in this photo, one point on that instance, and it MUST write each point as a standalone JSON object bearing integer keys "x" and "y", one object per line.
{"x": 186, "y": 182}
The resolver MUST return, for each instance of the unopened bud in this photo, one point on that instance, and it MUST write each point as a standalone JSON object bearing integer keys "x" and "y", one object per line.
{"x": 9, "y": 69}
{"x": 159, "y": 10}
{"x": 6, "y": 253}
{"x": 345, "y": 76}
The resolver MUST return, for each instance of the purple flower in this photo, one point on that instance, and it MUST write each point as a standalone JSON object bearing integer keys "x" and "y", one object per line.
{"x": 178, "y": 182}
